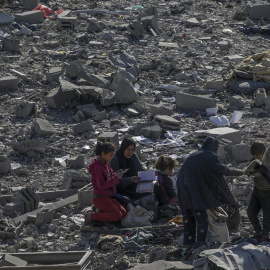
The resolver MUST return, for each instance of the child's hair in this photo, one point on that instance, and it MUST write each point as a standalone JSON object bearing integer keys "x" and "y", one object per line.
{"x": 104, "y": 147}
{"x": 165, "y": 162}
{"x": 257, "y": 148}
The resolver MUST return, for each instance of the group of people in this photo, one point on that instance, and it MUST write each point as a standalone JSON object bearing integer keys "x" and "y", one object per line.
{"x": 200, "y": 186}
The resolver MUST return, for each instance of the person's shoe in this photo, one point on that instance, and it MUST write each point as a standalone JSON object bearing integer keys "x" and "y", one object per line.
{"x": 87, "y": 219}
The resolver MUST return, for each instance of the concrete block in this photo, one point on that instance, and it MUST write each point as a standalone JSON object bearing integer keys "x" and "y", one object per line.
{"x": 236, "y": 102}
{"x": 99, "y": 116}
{"x": 83, "y": 127}
{"x": 5, "y": 19}
{"x": 85, "y": 197}
{"x": 160, "y": 109}
{"x": 14, "y": 261}
{"x": 259, "y": 11}
{"x": 150, "y": 21}
{"x": 54, "y": 74}
{"x": 67, "y": 23}
{"x": 258, "y": 112}
{"x": 267, "y": 102}
{"x": 260, "y": 97}
{"x": 111, "y": 137}
{"x": 87, "y": 109}
{"x": 25, "y": 109}
{"x": 241, "y": 152}
{"x": 5, "y": 165}
{"x": 193, "y": 102}
{"x": 215, "y": 84}
{"x": 74, "y": 180}
{"x": 25, "y": 146}
{"x": 10, "y": 44}
{"x": 191, "y": 22}
{"x": 30, "y": 4}
{"x": 44, "y": 217}
{"x": 167, "y": 122}
{"x": 9, "y": 82}
{"x": 107, "y": 98}
{"x": 223, "y": 132}
{"x": 94, "y": 27}
{"x": 30, "y": 17}
{"x": 43, "y": 127}
{"x": 14, "y": 209}
{"x": 136, "y": 29}
{"x": 76, "y": 162}
{"x": 56, "y": 98}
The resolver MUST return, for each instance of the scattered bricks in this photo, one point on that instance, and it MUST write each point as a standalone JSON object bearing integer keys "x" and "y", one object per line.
{"x": 259, "y": 11}
{"x": 85, "y": 195}
{"x": 83, "y": 127}
{"x": 150, "y": 21}
{"x": 9, "y": 82}
{"x": 160, "y": 109}
{"x": 191, "y": 22}
{"x": 236, "y": 102}
{"x": 193, "y": 103}
{"x": 216, "y": 85}
{"x": 43, "y": 128}
{"x": 65, "y": 21}
{"x": 10, "y": 44}
{"x": 44, "y": 217}
{"x": 136, "y": 29}
{"x": 30, "y": 17}
{"x": 76, "y": 162}
{"x": 241, "y": 152}
{"x": 30, "y": 4}
{"x": 5, "y": 166}
{"x": 260, "y": 97}
{"x": 25, "y": 109}
{"x": 220, "y": 133}
{"x": 54, "y": 74}
{"x": 167, "y": 122}
{"x": 56, "y": 98}
{"x": 111, "y": 137}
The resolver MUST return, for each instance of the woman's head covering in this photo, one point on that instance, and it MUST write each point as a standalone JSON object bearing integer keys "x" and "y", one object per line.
{"x": 124, "y": 162}
{"x": 210, "y": 144}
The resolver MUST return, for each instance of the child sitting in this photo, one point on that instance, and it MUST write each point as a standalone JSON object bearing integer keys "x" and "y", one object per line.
{"x": 260, "y": 197}
{"x": 164, "y": 190}
{"x": 104, "y": 181}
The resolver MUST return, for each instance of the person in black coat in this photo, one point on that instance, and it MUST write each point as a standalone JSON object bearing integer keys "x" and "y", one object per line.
{"x": 201, "y": 186}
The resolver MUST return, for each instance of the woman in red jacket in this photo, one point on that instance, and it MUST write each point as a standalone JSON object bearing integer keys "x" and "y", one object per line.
{"x": 104, "y": 181}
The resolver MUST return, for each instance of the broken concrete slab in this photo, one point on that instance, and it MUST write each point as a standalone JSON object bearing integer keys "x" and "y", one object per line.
{"x": 9, "y": 82}
{"x": 260, "y": 97}
{"x": 150, "y": 21}
{"x": 76, "y": 162}
{"x": 83, "y": 127}
{"x": 215, "y": 84}
{"x": 25, "y": 109}
{"x": 236, "y": 102}
{"x": 150, "y": 130}
{"x": 164, "y": 265}
{"x": 10, "y": 260}
{"x": 136, "y": 29}
{"x": 87, "y": 109}
{"x": 259, "y": 11}
{"x": 107, "y": 97}
{"x": 223, "y": 132}
{"x": 57, "y": 99}
{"x": 191, "y": 22}
{"x": 43, "y": 127}
{"x": 167, "y": 122}
{"x": 30, "y": 17}
{"x": 26, "y": 146}
{"x": 85, "y": 195}
{"x": 190, "y": 102}
{"x": 74, "y": 180}
{"x": 161, "y": 109}
{"x": 11, "y": 44}
{"x": 54, "y": 74}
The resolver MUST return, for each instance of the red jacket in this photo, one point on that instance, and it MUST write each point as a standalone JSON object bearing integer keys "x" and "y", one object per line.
{"x": 104, "y": 179}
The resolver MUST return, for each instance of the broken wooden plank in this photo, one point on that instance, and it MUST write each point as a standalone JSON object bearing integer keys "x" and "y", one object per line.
{"x": 55, "y": 206}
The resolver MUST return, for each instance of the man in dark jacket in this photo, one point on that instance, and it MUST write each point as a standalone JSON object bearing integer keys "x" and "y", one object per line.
{"x": 201, "y": 186}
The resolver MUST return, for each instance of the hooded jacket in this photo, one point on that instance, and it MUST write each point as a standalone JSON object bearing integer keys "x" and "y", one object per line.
{"x": 104, "y": 179}
{"x": 200, "y": 182}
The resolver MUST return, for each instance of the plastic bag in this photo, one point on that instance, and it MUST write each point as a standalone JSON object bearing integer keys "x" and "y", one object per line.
{"x": 217, "y": 226}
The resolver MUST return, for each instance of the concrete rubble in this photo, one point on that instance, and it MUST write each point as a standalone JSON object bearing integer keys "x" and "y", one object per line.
{"x": 77, "y": 72}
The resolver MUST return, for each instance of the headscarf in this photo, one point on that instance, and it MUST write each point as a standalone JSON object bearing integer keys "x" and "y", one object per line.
{"x": 210, "y": 144}
{"x": 124, "y": 162}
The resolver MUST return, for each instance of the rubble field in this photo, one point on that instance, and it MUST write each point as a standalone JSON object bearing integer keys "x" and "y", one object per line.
{"x": 169, "y": 73}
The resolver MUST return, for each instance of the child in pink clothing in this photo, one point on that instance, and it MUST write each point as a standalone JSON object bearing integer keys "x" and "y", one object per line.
{"x": 104, "y": 181}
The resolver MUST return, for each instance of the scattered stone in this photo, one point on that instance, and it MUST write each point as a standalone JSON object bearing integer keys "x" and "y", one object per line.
{"x": 25, "y": 109}
{"x": 9, "y": 82}
{"x": 83, "y": 127}
{"x": 5, "y": 166}
{"x": 43, "y": 127}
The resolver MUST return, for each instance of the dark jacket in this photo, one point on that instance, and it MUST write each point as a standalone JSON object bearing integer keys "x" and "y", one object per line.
{"x": 200, "y": 182}
{"x": 126, "y": 187}
{"x": 164, "y": 190}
